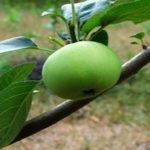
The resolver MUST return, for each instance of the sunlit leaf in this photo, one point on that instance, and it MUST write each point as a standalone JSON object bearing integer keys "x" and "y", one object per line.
{"x": 84, "y": 10}
{"x": 17, "y": 43}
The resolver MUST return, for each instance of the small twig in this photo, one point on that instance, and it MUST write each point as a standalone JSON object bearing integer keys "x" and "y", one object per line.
{"x": 66, "y": 108}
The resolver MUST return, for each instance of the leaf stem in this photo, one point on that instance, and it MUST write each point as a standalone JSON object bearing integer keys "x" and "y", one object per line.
{"x": 45, "y": 49}
{"x": 55, "y": 40}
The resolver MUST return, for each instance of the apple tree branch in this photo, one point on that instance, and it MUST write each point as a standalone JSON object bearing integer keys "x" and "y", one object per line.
{"x": 66, "y": 108}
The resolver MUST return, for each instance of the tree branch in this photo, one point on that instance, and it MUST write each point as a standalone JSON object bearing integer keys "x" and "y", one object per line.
{"x": 132, "y": 66}
{"x": 69, "y": 106}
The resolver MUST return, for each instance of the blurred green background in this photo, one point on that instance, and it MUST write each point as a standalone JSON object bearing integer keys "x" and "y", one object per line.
{"x": 127, "y": 106}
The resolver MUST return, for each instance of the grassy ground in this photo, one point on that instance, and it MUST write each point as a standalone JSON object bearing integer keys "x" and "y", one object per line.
{"x": 117, "y": 120}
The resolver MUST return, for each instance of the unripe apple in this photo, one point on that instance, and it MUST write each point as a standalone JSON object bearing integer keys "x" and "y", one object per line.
{"x": 81, "y": 70}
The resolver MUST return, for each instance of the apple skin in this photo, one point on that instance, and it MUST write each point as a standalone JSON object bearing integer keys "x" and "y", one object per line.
{"x": 81, "y": 70}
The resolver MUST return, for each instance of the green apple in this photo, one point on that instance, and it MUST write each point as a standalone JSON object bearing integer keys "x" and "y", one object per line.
{"x": 81, "y": 70}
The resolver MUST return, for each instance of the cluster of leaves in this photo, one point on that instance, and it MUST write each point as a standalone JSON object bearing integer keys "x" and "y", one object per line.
{"x": 93, "y": 16}
{"x": 85, "y": 22}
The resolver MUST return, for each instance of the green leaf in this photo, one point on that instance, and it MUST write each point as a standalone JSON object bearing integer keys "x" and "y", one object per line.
{"x": 134, "y": 43}
{"x": 136, "y": 11}
{"x": 93, "y": 22}
{"x": 17, "y": 43}
{"x": 138, "y": 36}
{"x": 15, "y": 74}
{"x": 100, "y": 36}
{"x": 15, "y": 102}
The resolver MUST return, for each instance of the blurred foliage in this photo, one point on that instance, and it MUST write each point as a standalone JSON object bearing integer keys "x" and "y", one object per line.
{"x": 35, "y": 3}
{"x": 4, "y": 64}
{"x": 127, "y": 102}
{"x": 147, "y": 26}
